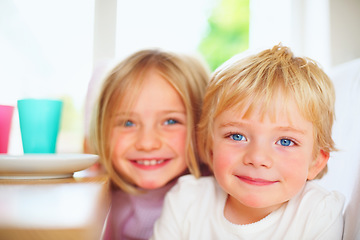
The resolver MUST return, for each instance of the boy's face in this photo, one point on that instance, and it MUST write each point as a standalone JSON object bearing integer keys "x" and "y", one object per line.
{"x": 263, "y": 163}
{"x": 149, "y": 140}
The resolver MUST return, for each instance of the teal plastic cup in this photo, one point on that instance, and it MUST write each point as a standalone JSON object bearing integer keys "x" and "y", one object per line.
{"x": 39, "y": 124}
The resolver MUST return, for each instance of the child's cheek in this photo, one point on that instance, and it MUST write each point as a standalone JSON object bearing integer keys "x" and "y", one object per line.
{"x": 222, "y": 161}
{"x": 176, "y": 140}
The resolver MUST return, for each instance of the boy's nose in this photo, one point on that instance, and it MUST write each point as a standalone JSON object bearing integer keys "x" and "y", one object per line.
{"x": 148, "y": 139}
{"x": 258, "y": 156}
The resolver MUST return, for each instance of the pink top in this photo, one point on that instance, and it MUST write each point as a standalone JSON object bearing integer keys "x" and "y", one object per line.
{"x": 133, "y": 216}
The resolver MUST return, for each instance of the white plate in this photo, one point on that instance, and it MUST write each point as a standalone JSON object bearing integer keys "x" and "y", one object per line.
{"x": 40, "y": 166}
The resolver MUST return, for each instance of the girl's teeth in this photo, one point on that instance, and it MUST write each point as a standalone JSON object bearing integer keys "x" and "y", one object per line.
{"x": 150, "y": 162}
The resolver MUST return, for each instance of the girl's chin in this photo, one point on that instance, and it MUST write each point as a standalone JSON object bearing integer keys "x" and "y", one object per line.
{"x": 151, "y": 182}
{"x": 151, "y": 185}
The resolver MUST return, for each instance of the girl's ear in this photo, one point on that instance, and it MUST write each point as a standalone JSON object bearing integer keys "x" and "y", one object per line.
{"x": 318, "y": 164}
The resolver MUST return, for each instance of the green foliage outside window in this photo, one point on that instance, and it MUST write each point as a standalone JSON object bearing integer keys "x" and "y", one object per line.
{"x": 228, "y": 32}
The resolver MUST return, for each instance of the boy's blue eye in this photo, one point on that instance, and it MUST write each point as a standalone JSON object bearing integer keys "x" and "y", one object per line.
{"x": 237, "y": 137}
{"x": 285, "y": 142}
{"x": 170, "y": 122}
{"x": 129, "y": 123}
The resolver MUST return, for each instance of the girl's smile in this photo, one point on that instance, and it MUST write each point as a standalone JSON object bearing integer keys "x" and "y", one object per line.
{"x": 152, "y": 162}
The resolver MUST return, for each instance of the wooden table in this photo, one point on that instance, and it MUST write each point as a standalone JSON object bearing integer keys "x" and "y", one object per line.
{"x": 66, "y": 209}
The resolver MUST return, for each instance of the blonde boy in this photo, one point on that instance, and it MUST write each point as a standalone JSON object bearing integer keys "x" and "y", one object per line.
{"x": 265, "y": 131}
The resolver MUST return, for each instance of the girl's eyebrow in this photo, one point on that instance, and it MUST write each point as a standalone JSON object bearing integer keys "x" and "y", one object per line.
{"x": 133, "y": 114}
{"x": 117, "y": 114}
{"x": 162, "y": 111}
{"x": 173, "y": 111}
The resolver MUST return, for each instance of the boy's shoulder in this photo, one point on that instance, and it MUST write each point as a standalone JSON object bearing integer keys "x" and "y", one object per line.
{"x": 192, "y": 180}
{"x": 315, "y": 210}
{"x": 189, "y": 189}
{"x": 191, "y": 183}
{"x": 314, "y": 201}
{"x": 313, "y": 189}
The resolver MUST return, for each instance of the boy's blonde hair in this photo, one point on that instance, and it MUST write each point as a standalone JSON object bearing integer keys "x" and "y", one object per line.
{"x": 256, "y": 81}
{"x": 121, "y": 87}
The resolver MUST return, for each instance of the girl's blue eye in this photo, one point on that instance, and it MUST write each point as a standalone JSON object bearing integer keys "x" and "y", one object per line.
{"x": 170, "y": 122}
{"x": 237, "y": 137}
{"x": 285, "y": 142}
{"x": 129, "y": 123}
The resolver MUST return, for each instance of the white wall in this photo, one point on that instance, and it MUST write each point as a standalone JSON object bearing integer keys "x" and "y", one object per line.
{"x": 326, "y": 30}
{"x": 345, "y": 30}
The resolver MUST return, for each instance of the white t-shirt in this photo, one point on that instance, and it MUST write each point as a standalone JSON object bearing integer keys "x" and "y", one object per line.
{"x": 352, "y": 214}
{"x": 193, "y": 209}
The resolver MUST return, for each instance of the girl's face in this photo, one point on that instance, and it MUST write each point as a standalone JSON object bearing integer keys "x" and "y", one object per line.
{"x": 261, "y": 162}
{"x": 149, "y": 141}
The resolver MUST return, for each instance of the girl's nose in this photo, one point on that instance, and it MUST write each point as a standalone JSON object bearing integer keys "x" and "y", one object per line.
{"x": 258, "y": 156}
{"x": 148, "y": 139}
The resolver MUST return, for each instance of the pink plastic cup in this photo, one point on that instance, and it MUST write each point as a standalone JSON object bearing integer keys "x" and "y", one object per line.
{"x": 6, "y": 113}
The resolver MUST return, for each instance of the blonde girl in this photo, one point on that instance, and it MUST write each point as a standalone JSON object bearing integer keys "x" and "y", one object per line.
{"x": 144, "y": 132}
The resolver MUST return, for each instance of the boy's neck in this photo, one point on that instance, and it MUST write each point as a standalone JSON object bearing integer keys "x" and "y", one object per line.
{"x": 239, "y": 214}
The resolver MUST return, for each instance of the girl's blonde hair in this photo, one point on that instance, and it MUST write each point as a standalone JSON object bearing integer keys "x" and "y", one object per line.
{"x": 256, "y": 81}
{"x": 186, "y": 74}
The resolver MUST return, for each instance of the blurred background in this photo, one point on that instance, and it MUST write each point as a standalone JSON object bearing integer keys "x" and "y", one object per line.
{"x": 53, "y": 48}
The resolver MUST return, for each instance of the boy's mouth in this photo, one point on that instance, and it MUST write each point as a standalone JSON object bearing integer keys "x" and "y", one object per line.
{"x": 256, "y": 181}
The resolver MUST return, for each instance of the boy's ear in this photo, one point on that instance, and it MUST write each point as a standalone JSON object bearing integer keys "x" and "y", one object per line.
{"x": 318, "y": 164}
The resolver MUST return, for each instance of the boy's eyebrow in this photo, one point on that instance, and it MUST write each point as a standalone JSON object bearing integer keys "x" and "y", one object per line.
{"x": 284, "y": 129}
{"x": 291, "y": 129}
{"x": 232, "y": 124}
